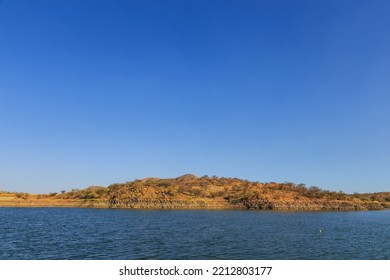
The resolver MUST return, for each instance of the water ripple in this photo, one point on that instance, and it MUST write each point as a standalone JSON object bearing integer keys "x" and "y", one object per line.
{"x": 57, "y": 233}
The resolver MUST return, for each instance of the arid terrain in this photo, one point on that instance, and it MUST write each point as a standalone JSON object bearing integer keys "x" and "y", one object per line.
{"x": 192, "y": 192}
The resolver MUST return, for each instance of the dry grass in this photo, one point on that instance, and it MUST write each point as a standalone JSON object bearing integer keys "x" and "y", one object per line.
{"x": 190, "y": 192}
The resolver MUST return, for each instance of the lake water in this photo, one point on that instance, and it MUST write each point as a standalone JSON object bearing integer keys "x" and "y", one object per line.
{"x": 62, "y": 233}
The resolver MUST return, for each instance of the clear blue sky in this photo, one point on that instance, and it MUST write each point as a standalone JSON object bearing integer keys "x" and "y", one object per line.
{"x": 98, "y": 92}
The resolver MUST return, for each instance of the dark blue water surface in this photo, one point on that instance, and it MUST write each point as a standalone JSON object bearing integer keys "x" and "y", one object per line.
{"x": 61, "y": 233}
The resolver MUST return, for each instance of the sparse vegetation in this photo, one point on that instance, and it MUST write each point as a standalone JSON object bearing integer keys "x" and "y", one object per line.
{"x": 189, "y": 191}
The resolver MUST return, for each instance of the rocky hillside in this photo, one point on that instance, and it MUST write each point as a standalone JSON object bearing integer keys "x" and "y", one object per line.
{"x": 192, "y": 192}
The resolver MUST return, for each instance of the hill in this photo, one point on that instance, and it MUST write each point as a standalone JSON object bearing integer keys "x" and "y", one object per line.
{"x": 192, "y": 192}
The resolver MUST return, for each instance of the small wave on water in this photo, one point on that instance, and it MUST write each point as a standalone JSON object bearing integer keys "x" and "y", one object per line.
{"x": 64, "y": 233}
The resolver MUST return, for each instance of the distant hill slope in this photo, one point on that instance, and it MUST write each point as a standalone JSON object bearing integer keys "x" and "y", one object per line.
{"x": 192, "y": 192}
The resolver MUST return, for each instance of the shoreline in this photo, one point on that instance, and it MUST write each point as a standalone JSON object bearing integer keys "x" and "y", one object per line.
{"x": 194, "y": 205}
